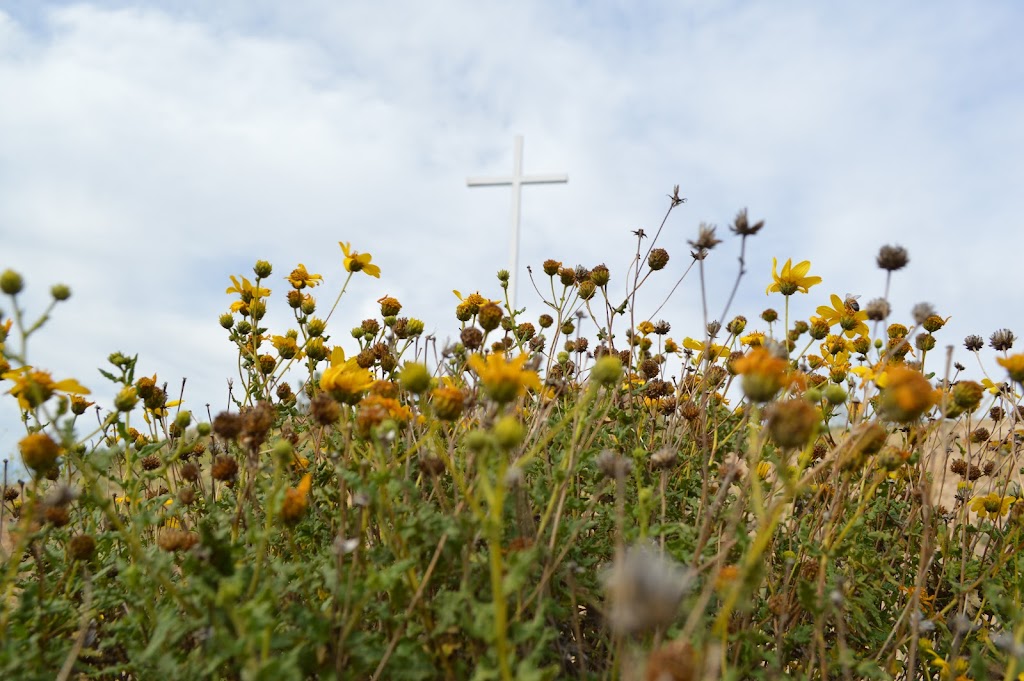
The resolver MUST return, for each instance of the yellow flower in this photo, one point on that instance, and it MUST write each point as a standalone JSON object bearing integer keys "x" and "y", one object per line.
{"x": 792, "y": 278}
{"x": 504, "y": 380}
{"x": 850, "y": 320}
{"x": 991, "y": 387}
{"x": 246, "y": 289}
{"x": 300, "y": 278}
{"x": 646, "y": 328}
{"x": 874, "y": 373}
{"x": 345, "y": 379}
{"x": 247, "y": 292}
{"x": 753, "y": 339}
{"x": 358, "y": 262}
{"x": 471, "y": 304}
{"x": 1014, "y": 365}
{"x": 992, "y": 505}
{"x": 32, "y": 388}
{"x": 715, "y": 349}
{"x": 287, "y": 347}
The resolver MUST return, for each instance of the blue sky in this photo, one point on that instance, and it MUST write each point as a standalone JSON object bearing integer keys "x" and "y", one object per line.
{"x": 149, "y": 150}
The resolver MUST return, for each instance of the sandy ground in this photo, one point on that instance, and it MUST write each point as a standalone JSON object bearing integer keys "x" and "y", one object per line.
{"x": 945, "y": 447}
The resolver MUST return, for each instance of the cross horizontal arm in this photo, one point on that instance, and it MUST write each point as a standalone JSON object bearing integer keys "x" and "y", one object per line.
{"x": 525, "y": 179}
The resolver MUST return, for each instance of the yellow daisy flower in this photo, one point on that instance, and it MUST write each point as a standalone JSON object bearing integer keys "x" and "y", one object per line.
{"x": 504, "y": 380}
{"x": 992, "y": 505}
{"x": 345, "y": 379}
{"x": 32, "y": 388}
{"x": 850, "y": 320}
{"x": 300, "y": 278}
{"x": 358, "y": 262}
{"x": 792, "y": 278}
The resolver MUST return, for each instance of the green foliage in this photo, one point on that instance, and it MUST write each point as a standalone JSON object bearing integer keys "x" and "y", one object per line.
{"x": 497, "y": 514}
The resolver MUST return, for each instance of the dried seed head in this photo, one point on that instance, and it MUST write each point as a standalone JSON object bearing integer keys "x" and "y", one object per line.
{"x": 974, "y": 343}
{"x": 878, "y": 309}
{"x": 431, "y": 464}
{"x": 227, "y": 425}
{"x": 256, "y": 423}
{"x": 664, "y": 458}
{"x": 892, "y": 258}
{"x": 81, "y": 547}
{"x": 921, "y": 312}
{"x": 705, "y": 240}
{"x": 224, "y": 468}
{"x": 324, "y": 409}
{"x": 1002, "y": 339}
{"x": 613, "y": 465}
{"x": 58, "y": 516}
{"x": 471, "y": 337}
{"x": 644, "y": 590}
{"x": 741, "y": 225}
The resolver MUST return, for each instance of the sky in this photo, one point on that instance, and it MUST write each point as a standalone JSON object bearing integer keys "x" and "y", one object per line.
{"x": 150, "y": 150}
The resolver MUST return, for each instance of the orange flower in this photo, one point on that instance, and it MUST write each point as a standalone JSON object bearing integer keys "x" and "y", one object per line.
{"x": 1014, "y": 365}
{"x": 296, "y": 501}
{"x": 906, "y": 394}
{"x": 762, "y": 373}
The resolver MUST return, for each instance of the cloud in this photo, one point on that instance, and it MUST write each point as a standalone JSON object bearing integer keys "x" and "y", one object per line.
{"x": 152, "y": 150}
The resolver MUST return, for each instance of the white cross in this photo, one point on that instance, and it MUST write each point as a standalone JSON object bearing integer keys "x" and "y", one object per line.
{"x": 517, "y": 181}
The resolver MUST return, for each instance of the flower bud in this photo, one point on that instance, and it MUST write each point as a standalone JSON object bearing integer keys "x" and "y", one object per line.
{"x": 508, "y": 432}
{"x": 415, "y": 377}
{"x": 658, "y": 259}
{"x": 126, "y": 399}
{"x": 263, "y": 269}
{"x": 11, "y": 282}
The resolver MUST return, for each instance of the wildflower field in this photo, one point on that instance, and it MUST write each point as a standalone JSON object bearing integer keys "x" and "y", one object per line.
{"x": 569, "y": 492}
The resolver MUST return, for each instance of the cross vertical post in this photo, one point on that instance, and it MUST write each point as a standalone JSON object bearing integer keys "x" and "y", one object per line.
{"x": 516, "y": 181}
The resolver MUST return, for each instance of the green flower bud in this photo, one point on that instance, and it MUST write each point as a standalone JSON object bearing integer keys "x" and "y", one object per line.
{"x": 607, "y": 371}
{"x": 60, "y": 292}
{"x": 282, "y": 452}
{"x": 415, "y": 377}
{"x": 126, "y": 399}
{"x": 183, "y": 419}
{"x": 262, "y": 269}
{"x": 508, "y": 432}
{"x": 835, "y": 394}
{"x": 11, "y": 282}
